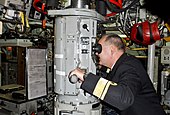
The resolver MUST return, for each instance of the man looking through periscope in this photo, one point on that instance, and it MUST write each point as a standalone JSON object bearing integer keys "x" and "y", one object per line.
{"x": 127, "y": 87}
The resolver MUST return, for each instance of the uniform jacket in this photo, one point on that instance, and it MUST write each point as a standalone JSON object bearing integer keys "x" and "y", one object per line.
{"x": 127, "y": 88}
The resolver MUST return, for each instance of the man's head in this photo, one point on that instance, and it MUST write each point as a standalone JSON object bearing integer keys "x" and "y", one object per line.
{"x": 112, "y": 48}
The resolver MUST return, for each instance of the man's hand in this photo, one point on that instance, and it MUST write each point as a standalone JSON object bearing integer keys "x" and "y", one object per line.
{"x": 78, "y": 72}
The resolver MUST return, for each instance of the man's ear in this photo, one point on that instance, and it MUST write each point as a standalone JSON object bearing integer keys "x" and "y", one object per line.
{"x": 113, "y": 49}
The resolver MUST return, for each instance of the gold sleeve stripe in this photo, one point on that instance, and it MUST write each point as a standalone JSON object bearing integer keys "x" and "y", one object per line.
{"x": 106, "y": 89}
{"x": 100, "y": 87}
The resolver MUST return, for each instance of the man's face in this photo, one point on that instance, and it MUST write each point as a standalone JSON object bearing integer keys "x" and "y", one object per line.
{"x": 105, "y": 55}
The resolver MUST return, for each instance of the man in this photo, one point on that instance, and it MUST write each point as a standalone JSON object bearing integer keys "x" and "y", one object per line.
{"x": 127, "y": 87}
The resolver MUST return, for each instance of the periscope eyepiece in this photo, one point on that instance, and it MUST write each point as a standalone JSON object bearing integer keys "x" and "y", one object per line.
{"x": 97, "y": 48}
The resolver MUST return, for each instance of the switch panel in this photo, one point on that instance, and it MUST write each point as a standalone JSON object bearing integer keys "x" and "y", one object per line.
{"x": 165, "y": 55}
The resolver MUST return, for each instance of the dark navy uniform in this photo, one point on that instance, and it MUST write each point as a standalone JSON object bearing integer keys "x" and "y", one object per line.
{"x": 127, "y": 88}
